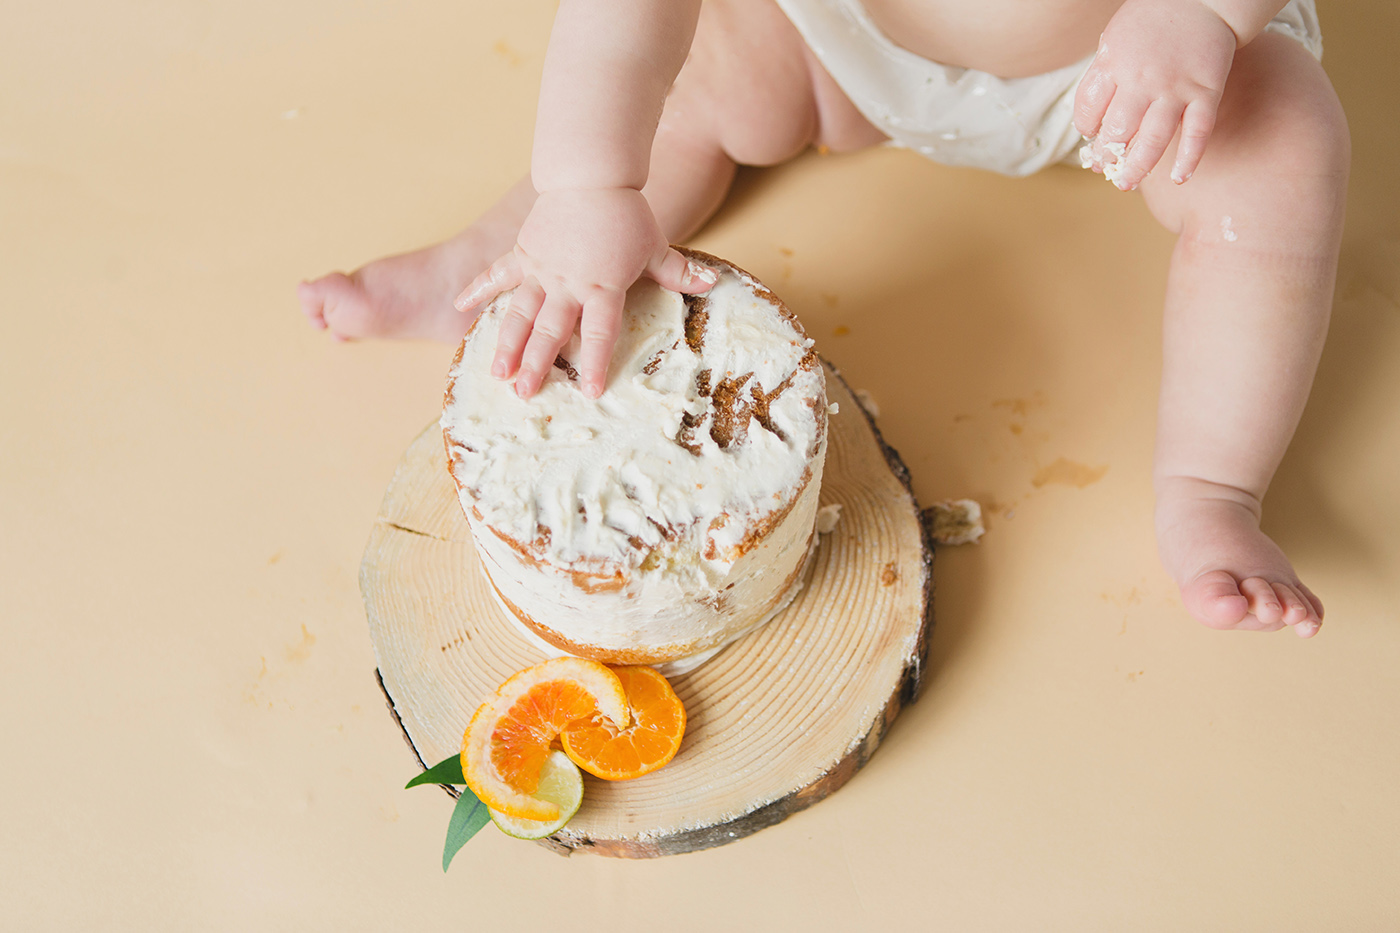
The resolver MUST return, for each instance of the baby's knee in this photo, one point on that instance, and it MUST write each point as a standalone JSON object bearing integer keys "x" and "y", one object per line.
{"x": 1284, "y": 117}
{"x": 1314, "y": 143}
{"x": 1278, "y": 159}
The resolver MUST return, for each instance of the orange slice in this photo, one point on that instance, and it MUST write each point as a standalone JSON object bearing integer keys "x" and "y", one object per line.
{"x": 603, "y": 749}
{"x": 507, "y": 741}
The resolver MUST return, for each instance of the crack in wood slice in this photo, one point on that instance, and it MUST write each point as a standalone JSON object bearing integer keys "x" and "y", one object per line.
{"x": 778, "y": 720}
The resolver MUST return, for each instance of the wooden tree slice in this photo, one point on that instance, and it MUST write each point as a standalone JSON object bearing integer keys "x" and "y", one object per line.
{"x": 777, "y": 720}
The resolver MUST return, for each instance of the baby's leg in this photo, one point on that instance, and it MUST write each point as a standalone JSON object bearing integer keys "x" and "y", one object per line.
{"x": 410, "y": 295}
{"x": 750, "y": 93}
{"x": 1247, "y": 305}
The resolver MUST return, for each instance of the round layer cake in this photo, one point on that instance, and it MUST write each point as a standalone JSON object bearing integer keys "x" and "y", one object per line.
{"x": 672, "y": 514}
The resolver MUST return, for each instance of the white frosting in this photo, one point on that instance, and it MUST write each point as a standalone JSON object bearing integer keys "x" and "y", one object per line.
{"x": 638, "y": 527}
{"x": 1112, "y": 170}
{"x": 687, "y": 663}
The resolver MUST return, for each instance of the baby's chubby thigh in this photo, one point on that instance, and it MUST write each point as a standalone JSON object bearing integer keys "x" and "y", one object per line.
{"x": 752, "y": 84}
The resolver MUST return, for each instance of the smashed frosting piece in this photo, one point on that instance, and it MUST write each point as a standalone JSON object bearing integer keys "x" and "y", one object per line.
{"x": 673, "y": 513}
{"x": 1112, "y": 171}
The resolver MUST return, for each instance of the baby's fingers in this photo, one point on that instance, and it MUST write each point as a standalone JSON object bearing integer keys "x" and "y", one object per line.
{"x": 598, "y": 330}
{"x": 1091, "y": 101}
{"x": 501, "y": 275}
{"x": 1153, "y": 136}
{"x": 1124, "y": 116}
{"x": 554, "y": 325}
{"x": 674, "y": 271}
{"x": 1196, "y": 126}
{"x": 516, "y": 327}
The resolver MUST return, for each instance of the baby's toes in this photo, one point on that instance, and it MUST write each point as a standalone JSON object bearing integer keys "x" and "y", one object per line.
{"x": 344, "y": 307}
{"x": 1300, "y": 609}
{"x": 311, "y": 295}
{"x": 1264, "y": 604}
{"x": 1215, "y": 600}
{"x": 1313, "y": 601}
{"x": 1295, "y": 608}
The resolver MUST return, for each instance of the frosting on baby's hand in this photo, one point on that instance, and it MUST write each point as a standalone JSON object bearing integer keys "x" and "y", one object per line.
{"x": 1158, "y": 75}
{"x": 1091, "y": 156}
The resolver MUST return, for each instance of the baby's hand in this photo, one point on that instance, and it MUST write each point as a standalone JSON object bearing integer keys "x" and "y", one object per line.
{"x": 1161, "y": 65}
{"x": 576, "y": 256}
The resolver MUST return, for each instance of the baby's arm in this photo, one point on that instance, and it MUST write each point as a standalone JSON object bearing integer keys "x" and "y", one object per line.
{"x": 1161, "y": 66}
{"x": 591, "y": 234}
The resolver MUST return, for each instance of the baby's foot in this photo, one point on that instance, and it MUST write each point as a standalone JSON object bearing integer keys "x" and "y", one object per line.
{"x": 1231, "y": 574}
{"x": 409, "y": 295}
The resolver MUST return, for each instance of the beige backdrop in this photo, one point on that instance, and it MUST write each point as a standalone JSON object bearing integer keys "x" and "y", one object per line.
{"x": 192, "y": 734}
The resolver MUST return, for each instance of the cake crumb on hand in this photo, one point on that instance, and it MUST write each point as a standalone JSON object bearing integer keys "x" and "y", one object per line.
{"x": 1111, "y": 170}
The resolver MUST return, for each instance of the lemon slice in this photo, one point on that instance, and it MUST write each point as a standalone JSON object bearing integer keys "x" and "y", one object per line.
{"x": 561, "y": 784}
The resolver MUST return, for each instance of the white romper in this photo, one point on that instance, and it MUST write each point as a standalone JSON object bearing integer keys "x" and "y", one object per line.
{"x": 958, "y": 116}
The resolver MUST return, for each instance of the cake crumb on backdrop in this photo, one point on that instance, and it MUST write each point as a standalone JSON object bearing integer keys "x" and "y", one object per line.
{"x": 955, "y": 521}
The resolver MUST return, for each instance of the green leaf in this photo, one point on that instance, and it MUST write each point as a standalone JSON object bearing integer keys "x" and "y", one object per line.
{"x": 447, "y": 771}
{"x": 469, "y": 816}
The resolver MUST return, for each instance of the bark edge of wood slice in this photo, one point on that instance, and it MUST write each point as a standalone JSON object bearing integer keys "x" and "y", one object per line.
{"x": 777, "y": 721}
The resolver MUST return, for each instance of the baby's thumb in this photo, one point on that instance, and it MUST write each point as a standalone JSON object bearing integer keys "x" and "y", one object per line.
{"x": 679, "y": 274}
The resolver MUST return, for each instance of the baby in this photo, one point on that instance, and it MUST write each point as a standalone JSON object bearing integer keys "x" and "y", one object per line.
{"x": 647, "y": 106}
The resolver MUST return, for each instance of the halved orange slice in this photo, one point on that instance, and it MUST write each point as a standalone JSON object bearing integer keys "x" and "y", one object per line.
{"x": 507, "y": 741}
{"x": 615, "y": 753}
